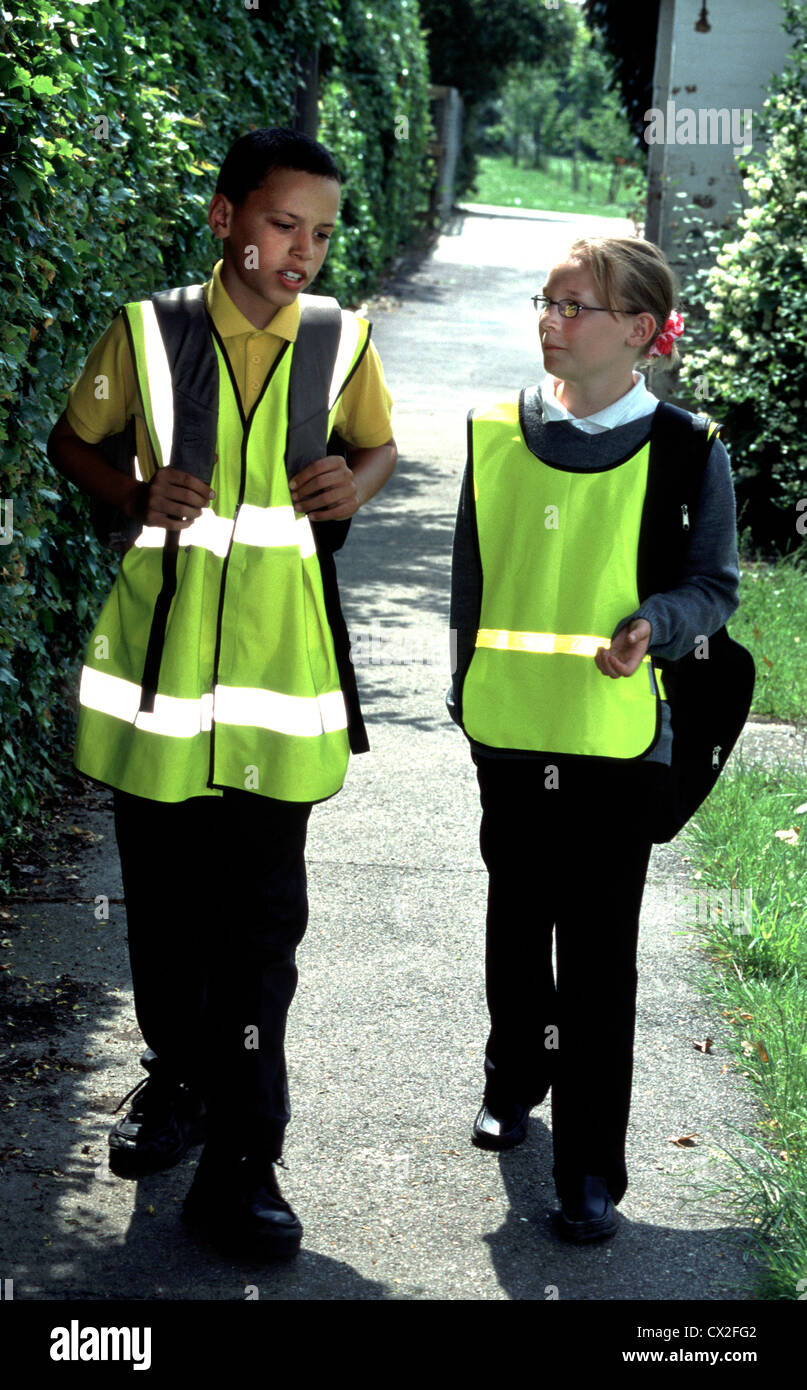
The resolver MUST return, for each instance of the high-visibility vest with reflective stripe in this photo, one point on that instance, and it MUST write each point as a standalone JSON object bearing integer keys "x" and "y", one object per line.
{"x": 558, "y": 552}
{"x": 247, "y": 692}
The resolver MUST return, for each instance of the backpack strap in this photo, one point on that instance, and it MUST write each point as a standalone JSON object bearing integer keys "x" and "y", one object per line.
{"x": 312, "y": 368}
{"x": 191, "y": 358}
{"x": 182, "y": 318}
{"x": 679, "y": 449}
{"x": 113, "y": 528}
{"x": 312, "y": 365}
{"x": 709, "y": 699}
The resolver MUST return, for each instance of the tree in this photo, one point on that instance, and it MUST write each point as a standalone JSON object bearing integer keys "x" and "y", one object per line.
{"x": 567, "y": 109}
{"x": 607, "y": 134}
{"x": 629, "y": 35}
{"x": 528, "y": 112}
{"x": 463, "y": 35}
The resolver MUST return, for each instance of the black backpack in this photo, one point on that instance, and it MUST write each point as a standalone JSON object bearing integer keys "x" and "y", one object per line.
{"x": 710, "y": 689}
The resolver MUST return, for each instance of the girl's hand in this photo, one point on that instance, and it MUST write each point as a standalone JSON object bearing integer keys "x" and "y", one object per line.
{"x": 626, "y": 651}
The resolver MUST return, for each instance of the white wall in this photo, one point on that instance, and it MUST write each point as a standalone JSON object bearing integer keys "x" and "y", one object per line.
{"x": 728, "y": 67}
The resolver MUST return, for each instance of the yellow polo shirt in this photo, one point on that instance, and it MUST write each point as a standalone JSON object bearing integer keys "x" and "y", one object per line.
{"x": 105, "y": 396}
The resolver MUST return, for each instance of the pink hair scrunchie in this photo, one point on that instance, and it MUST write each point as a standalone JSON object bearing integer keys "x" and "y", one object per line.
{"x": 673, "y": 329}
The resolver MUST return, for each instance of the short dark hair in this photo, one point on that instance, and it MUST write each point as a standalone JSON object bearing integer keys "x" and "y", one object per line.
{"x": 260, "y": 152}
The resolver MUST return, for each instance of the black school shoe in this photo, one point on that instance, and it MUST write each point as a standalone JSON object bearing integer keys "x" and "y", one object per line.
{"x": 500, "y": 1126}
{"x": 163, "y": 1122}
{"x": 235, "y": 1203}
{"x": 502, "y": 1121}
{"x": 586, "y": 1212}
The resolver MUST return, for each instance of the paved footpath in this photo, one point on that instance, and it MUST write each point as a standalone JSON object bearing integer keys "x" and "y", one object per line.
{"x": 387, "y": 1031}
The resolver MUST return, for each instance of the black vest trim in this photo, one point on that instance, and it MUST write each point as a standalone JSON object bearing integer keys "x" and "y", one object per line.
{"x": 566, "y": 468}
{"x": 159, "y": 623}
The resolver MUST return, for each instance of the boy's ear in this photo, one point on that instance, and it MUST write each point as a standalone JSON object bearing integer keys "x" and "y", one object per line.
{"x": 219, "y": 215}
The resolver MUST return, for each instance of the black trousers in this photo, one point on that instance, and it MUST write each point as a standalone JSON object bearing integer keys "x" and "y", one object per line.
{"x": 566, "y": 851}
{"x": 216, "y": 905}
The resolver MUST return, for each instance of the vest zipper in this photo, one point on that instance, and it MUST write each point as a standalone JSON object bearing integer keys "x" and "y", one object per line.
{"x": 241, "y": 490}
{"x": 684, "y": 516}
{"x": 246, "y": 425}
{"x": 716, "y": 755}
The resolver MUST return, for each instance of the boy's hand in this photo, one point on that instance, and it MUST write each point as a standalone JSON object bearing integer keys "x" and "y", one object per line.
{"x": 326, "y": 490}
{"x": 626, "y": 651}
{"x": 174, "y": 499}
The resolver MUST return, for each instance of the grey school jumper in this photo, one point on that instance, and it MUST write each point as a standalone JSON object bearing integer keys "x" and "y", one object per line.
{"x": 702, "y": 603}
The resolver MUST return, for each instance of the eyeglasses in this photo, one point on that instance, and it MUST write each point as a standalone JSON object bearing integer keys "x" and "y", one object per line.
{"x": 569, "y": 308}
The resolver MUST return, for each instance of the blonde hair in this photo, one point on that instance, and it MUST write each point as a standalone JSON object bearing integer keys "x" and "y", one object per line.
{"x": 633, "y": 275}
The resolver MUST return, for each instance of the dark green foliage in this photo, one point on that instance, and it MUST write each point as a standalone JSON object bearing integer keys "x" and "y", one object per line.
{"x": 473, "y": 44}
{"x": 629, "y": 34}
{"x": 375, "y": 117}
{"x": 95, "y": 214}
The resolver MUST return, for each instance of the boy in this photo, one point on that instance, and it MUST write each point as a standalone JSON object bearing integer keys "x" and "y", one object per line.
{"x": 217, "y": 698}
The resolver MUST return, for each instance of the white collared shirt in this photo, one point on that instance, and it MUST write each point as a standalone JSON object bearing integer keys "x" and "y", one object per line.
{"x": 632, "y": 406}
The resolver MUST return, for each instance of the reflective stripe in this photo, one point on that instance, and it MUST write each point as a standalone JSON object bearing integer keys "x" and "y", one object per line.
{"x": 285, "y": 714}
{"x": 275, "y": 526}
{"x": 348, "y": 343}
{"x": 260, "y": 526}
{"x": 159, "y": 383}
{"x": 208, "y": 531}
{"x": 503, "y": 640}
{"x": 121, "y": 698}
{"x": 570, "y": 644}
{"x": 305, "y": 716}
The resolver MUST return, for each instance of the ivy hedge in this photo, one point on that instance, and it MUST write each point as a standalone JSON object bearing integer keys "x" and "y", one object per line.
{"x": 115, "y": 117}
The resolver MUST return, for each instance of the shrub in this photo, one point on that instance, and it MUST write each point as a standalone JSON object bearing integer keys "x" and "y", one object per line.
{"x": 751, "y": 363}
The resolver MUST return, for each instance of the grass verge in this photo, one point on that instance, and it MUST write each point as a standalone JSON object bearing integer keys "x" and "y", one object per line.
{"x": 770, "y": 623}
{"x": 499, "y": 184}
{"x": 751, "y": 834}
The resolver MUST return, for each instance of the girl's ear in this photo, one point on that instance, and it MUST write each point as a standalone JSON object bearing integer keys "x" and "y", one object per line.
{"x": 642, "y": 330}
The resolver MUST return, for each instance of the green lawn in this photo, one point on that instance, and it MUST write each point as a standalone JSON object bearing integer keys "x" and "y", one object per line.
{"x": 751, "y": 834}
{"x": 770, "y": 623}
{"x": 500, "y": 185}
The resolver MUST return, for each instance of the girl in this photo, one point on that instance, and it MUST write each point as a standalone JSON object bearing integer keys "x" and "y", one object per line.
{"x": 555, "y": 688}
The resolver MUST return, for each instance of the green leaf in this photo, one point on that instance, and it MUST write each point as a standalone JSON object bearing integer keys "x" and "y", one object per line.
{"x": 44, "y": 86}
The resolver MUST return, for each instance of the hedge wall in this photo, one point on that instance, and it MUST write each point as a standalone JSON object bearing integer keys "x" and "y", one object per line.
{"x": 116, "y": 115}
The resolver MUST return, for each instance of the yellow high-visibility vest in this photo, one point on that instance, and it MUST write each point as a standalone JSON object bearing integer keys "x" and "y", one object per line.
{"x": 244, "y": 686}
{"x": 558, "y": 552}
